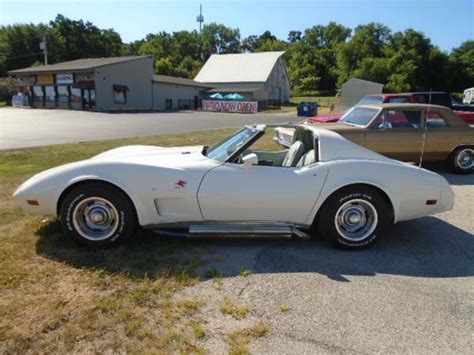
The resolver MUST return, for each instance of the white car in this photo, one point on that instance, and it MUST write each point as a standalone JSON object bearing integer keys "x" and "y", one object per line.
{"x": 322, "y": 185}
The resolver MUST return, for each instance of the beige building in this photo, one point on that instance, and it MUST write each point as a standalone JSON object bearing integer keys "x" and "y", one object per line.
{"x": 256, "y": 76}
{"x": 107, "y": 84}
{"x": 171, "y": 93}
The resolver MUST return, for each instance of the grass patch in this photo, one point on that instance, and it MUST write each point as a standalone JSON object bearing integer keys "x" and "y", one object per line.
{"x": 283, "y": 307}
{"x": 57, "y": 297}
{"x": 245, "y": 273}
{"x": 238, "y": 311}
{"x": 3, "y": 104}
{"x": 239, "y": 340}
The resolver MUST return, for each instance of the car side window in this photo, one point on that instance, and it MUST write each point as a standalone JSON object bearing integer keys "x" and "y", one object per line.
{"x": 434, "y": 119}
{"x": 399, "y": 119}
{"x": 399, "y": 100}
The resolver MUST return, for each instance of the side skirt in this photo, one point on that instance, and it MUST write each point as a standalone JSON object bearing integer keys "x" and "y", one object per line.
{"x": 222, "y": 230}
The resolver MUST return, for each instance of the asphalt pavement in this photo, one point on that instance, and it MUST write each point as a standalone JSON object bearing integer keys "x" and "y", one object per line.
{"x": 412, "y": 292}
{"x": 34, "y": 127}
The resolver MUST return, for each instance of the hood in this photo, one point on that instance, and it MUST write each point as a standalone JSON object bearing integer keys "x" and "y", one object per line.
{"x": 326, "y": 118}
{"x": 143, "y": 152}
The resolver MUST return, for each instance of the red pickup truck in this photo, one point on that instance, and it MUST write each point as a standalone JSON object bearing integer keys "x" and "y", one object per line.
{"x": 437, "y": 98}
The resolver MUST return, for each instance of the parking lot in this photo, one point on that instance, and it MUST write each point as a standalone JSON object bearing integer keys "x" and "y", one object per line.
{"x": 29, "y": 127}
{"x": 412, "y": 292}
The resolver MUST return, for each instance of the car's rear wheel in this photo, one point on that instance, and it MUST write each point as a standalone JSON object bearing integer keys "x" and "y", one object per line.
{"x": 98, "y": 214}
{"x": 354, "y": 217}
{"x": 462, "y": 160}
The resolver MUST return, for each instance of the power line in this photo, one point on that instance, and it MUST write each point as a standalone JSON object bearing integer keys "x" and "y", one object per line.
{"x": 24, "y": 56}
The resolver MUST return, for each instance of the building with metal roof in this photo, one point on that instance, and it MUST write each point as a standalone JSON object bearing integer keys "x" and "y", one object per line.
{"x": 257, "y": 76}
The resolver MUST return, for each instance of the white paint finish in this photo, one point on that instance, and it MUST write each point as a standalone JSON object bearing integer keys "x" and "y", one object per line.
{"x": 260, "y": 193}
{"x": 149, "y": 175}
{"x": 241, "y": 67}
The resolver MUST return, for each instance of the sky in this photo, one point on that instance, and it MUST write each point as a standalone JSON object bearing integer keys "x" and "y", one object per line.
{"x": 447, "y": 23}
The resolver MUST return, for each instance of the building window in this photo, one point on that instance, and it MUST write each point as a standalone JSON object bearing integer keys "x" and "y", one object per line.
{"x": 120, "y": 94}
{"x": 63, "y": 93}
{"x": 50, "y": 93}
{"x": 38, "y": 93}
{"x": 76, "y": 95}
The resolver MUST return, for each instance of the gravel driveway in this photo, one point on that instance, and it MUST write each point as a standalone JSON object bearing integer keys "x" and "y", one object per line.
{"x": 412, "y": 292}
{"x": 29, "y": 127}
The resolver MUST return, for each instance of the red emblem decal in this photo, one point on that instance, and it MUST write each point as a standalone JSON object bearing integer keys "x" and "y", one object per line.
{"x": 180, "y": 184}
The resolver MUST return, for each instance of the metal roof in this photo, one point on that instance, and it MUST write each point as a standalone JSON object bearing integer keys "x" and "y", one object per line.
{"x": 79, "y": 65}
{"x": 237, "y": 68}
{"x": 178, "y": 81}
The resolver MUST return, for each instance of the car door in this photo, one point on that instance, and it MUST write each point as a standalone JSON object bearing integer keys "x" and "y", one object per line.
{"x": 441, "y": 137}
{"x": 260, "y": 193}
{"x": 397, "y": 133}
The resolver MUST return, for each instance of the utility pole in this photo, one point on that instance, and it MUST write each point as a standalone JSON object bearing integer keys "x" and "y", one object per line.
{"x": 200, "y": 18}
{"x": 44, "y": 47}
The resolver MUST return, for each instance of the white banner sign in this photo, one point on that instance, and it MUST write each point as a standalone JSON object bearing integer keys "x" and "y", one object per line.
{"x": 64, "y": 79}
{"x": 230, "y": 106}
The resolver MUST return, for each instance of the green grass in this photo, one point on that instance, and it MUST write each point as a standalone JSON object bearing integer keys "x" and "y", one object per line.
{"x": 57, "y": 297}
{"x": 3, "y": 104}
{"x": 325, "y": 102}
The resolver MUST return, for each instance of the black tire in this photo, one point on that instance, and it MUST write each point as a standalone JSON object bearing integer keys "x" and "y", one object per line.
{"x": 90, "y": 201}
{"x": 357, "y": 201}
{"x": 454, "y": 160}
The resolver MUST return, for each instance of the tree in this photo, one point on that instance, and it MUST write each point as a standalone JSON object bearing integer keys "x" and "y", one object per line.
{"x": 219, "y": 39}
{"x": 294, "y": 36}
{"x": 462, "y": 66}
{"x": 368, "y": 41}
{"x": 266, "y": 42}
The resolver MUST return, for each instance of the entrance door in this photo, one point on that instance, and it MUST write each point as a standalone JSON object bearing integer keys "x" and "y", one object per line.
{"x": 260, "y": 193}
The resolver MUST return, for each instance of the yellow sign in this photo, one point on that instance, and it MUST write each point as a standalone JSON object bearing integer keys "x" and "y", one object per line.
{"x": 45, "y": 79}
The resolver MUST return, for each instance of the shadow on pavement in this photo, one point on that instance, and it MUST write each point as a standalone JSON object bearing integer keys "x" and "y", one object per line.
{"x": 428, "y": 247}
{"x": 454, "y": 179}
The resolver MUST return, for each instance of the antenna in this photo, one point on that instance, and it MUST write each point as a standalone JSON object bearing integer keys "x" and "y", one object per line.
{"x": 200, "y": 18}
{"x": 423, "y": 137}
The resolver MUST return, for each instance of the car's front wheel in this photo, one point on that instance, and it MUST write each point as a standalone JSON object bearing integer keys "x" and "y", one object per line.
{"x": 97, "y": 214}
{"x": 462, "y": 160}
{"x": 354, "y": 217}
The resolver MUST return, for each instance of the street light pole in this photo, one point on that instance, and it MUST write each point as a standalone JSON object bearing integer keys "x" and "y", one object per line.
{"x": 44, "y": 48}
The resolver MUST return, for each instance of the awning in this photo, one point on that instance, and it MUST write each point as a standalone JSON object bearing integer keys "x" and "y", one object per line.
{"x": 84, "y": 84}
{"x": 118, "y": 87}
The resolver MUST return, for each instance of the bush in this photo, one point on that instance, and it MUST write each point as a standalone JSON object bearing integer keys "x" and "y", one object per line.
{"x": 8, "y": 88}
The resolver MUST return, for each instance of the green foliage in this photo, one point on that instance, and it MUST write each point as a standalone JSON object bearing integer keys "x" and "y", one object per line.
{"x": 321, "y": 58}
{"x": 67, "y": 40}
{"x": 8, "y": 88}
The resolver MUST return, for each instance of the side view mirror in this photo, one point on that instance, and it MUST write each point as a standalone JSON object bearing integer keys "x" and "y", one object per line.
{"x": 249, "y": 160}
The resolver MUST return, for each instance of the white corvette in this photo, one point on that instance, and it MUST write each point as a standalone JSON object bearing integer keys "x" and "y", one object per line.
{"x": 323, "y": 185}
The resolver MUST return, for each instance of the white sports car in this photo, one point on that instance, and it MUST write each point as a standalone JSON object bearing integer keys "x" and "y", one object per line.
{"x": 323, "y": 185}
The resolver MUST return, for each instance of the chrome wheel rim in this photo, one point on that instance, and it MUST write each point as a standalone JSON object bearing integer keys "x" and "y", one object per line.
{"x": 356, "y": 219}
{"x": 465, "y": 158}
{"x": 95, "y": 218}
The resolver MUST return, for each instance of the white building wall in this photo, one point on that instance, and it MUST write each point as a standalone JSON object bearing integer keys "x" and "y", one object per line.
{"x": 164, "y": 91}
{"x": 278, "y": 84}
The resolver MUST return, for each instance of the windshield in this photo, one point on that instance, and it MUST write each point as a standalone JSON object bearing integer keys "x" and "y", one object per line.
{"x": 360, "y": 116}
{"x": 224, "y": 149}
{"x": 367, "y": 100}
